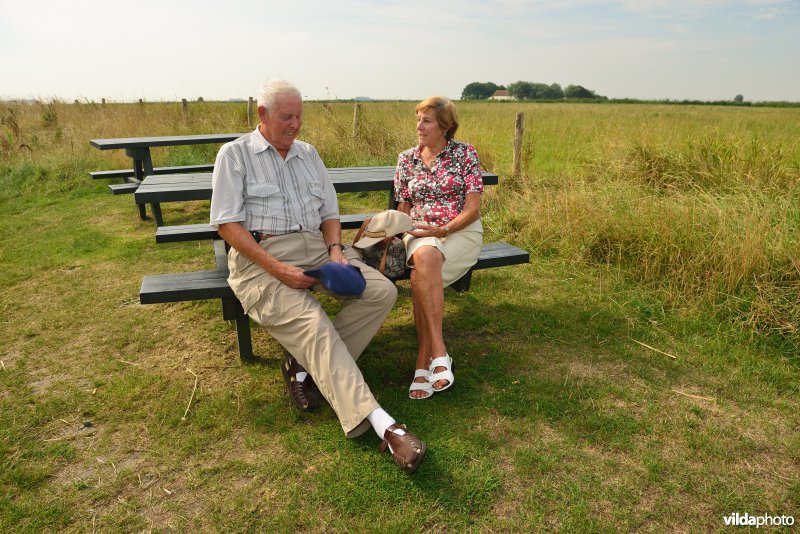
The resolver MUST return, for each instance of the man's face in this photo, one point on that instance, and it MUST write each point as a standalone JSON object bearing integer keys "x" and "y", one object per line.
{"x": 281, "y": 128}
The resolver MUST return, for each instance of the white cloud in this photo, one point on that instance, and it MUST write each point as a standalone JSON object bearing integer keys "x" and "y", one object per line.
{"x": 767, "y": 14}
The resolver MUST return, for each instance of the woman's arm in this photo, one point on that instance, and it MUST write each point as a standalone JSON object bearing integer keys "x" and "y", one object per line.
{"x": 470, "y": 214}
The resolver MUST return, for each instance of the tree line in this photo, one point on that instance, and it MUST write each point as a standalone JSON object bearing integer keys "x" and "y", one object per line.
{"x": 528, "y": 91}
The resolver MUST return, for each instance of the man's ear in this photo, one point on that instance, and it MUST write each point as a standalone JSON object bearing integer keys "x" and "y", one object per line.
{"x": 262, "y": 112}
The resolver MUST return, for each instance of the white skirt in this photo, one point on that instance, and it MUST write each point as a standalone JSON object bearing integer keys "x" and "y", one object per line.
{"x": 460, "y": 250}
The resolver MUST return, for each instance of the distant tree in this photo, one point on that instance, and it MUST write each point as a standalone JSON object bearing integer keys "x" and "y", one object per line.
{"x": 578, "y": 91}
{"x": 535, "y": 91}
{"x": 521, "y": 90}
{"x": 199, "y": 98}
{"x": 555, "y": 92}
{"x": 479, "y": 90}
{"x": 738, "y": 98}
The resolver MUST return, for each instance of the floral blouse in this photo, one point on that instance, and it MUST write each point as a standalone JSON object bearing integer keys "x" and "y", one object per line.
{"x": 437, "y": 194}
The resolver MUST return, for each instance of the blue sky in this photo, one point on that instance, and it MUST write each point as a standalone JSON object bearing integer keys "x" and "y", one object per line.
{"x": 169, "y": 49}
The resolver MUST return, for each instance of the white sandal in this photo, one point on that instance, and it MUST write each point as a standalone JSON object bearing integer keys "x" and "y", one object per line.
{"x": 421, "y": 386}
{"x": 442, "y": 361}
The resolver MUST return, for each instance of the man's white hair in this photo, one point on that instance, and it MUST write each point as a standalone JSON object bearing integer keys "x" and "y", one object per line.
{"x": 271, "y": 90}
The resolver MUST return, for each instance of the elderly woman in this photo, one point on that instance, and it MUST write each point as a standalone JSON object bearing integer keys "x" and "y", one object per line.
{"x": 438, "y": 183}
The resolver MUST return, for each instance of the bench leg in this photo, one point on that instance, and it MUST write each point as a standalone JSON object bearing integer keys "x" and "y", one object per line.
{"x": 232, "y": 310}
{"x": 156, "y": 208}
{"x": 243, "y": 338}
{"x": 142, "y": 166}
{"x": 462, "y": 284}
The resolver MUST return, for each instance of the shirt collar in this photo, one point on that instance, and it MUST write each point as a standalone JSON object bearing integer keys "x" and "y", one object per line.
{"x": 260, "y": 144}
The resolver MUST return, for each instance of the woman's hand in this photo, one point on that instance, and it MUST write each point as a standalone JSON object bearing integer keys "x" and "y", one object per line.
{"x": 428, "y": 230}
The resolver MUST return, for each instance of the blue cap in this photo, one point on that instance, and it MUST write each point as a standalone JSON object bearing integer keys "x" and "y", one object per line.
{"x": 340, "y": 278}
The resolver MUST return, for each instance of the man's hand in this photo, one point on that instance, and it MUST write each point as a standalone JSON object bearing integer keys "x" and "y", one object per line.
{"x": 240, "y": 239}
{"x": 294, "y": 277}
{"x": 337, "y": 256}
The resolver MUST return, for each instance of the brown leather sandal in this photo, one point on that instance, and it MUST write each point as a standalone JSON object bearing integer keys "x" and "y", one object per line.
{"x": 406, "y": 448}
{"x": 305, "y": 394}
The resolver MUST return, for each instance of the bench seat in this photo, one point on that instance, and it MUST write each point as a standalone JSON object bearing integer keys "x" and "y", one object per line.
{"x": 196, "y": 232}
{"x": 203, "y": 285}
{"x": 123, "y": 189}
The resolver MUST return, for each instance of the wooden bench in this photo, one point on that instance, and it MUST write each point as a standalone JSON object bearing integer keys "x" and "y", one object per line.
{"x": 204, "y": 285}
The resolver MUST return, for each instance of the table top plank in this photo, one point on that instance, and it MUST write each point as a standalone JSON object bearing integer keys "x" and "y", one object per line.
{"x": 169, "y": 140}
{"x": 197, "y": 186}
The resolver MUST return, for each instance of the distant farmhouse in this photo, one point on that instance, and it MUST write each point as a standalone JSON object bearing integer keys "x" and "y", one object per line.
{"x": 501, "y": 94}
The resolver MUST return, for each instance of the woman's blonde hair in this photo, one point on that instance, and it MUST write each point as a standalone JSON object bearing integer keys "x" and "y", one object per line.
{"x": 445, "y": 111}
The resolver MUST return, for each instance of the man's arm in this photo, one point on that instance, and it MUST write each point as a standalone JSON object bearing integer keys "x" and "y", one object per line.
{"x": 332, "y": 233}
{"x": 240, "y": 239}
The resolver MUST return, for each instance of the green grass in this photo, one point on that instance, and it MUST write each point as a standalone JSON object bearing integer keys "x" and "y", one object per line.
{"x": 671, "y": 226}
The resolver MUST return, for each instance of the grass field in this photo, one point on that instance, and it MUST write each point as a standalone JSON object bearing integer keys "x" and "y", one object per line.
{"x": 641, "y": 373}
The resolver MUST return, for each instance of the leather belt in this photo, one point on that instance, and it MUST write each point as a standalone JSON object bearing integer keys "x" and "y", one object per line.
{"x": 261, "y": 236}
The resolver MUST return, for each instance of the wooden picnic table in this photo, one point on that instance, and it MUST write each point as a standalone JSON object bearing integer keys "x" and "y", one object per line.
{"x": 202, "y": 285}
{"x": 156, "y": 189}
{"x": 138, "y": 148}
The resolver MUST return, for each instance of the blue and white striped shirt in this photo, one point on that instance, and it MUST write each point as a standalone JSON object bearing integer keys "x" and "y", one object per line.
{"x": 253, "y": 185}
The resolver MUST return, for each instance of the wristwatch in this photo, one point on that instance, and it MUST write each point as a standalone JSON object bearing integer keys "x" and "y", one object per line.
{"x": 335, "y": 245}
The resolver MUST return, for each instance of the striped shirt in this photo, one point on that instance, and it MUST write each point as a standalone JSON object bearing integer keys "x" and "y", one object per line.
{"x": 253, "y": 185}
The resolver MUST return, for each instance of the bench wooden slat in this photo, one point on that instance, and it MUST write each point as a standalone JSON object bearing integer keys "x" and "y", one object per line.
{"x": 123, "y": 189}
{"x": 196, "y": 232}
{"x": 169, "y": 140}
{"x": 201, "y": 285}
{"x": 500, "y": 255}
{"x": 128, "y": 173}
{"x": 197, "y": 186}
{"x": 179, "y": 287}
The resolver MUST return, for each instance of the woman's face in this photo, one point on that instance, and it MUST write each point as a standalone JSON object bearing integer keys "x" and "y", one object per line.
{"x": 429, "y": 132}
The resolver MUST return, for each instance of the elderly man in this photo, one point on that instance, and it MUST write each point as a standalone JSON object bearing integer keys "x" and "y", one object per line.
{"x": 275, "y": 205}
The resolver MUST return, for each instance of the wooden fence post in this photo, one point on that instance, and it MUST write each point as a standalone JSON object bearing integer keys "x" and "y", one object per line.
{"x": 184, "y": 107}
{"x": 104, "y": 101}
{"x": 250, "y": 112}
{"x": 356, "y": 113}
{"x": 519, "y": 129}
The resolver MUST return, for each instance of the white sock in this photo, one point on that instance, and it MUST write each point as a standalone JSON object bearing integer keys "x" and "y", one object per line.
{"x": 380, "y": 421}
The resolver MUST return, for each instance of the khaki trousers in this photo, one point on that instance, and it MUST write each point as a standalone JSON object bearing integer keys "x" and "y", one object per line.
{"x": 328, "y": 349}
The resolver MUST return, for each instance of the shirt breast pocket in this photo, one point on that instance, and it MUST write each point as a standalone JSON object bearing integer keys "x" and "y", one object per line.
{"x": 316, "y": 197}
{"x": 263, "y": 199}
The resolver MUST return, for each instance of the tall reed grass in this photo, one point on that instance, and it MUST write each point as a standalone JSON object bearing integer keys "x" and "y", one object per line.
{"x": 710, "y": 223}
{"x": 701, "y": 204}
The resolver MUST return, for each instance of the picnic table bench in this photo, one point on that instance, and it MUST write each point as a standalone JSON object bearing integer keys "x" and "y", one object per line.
{"x": 206, "y": 285}
{"x": 213, "y": 284}
{"x": 138, "y": 148}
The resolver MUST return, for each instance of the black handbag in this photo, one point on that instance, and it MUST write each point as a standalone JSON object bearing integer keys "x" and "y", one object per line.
{"x": 388, "y": 259}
